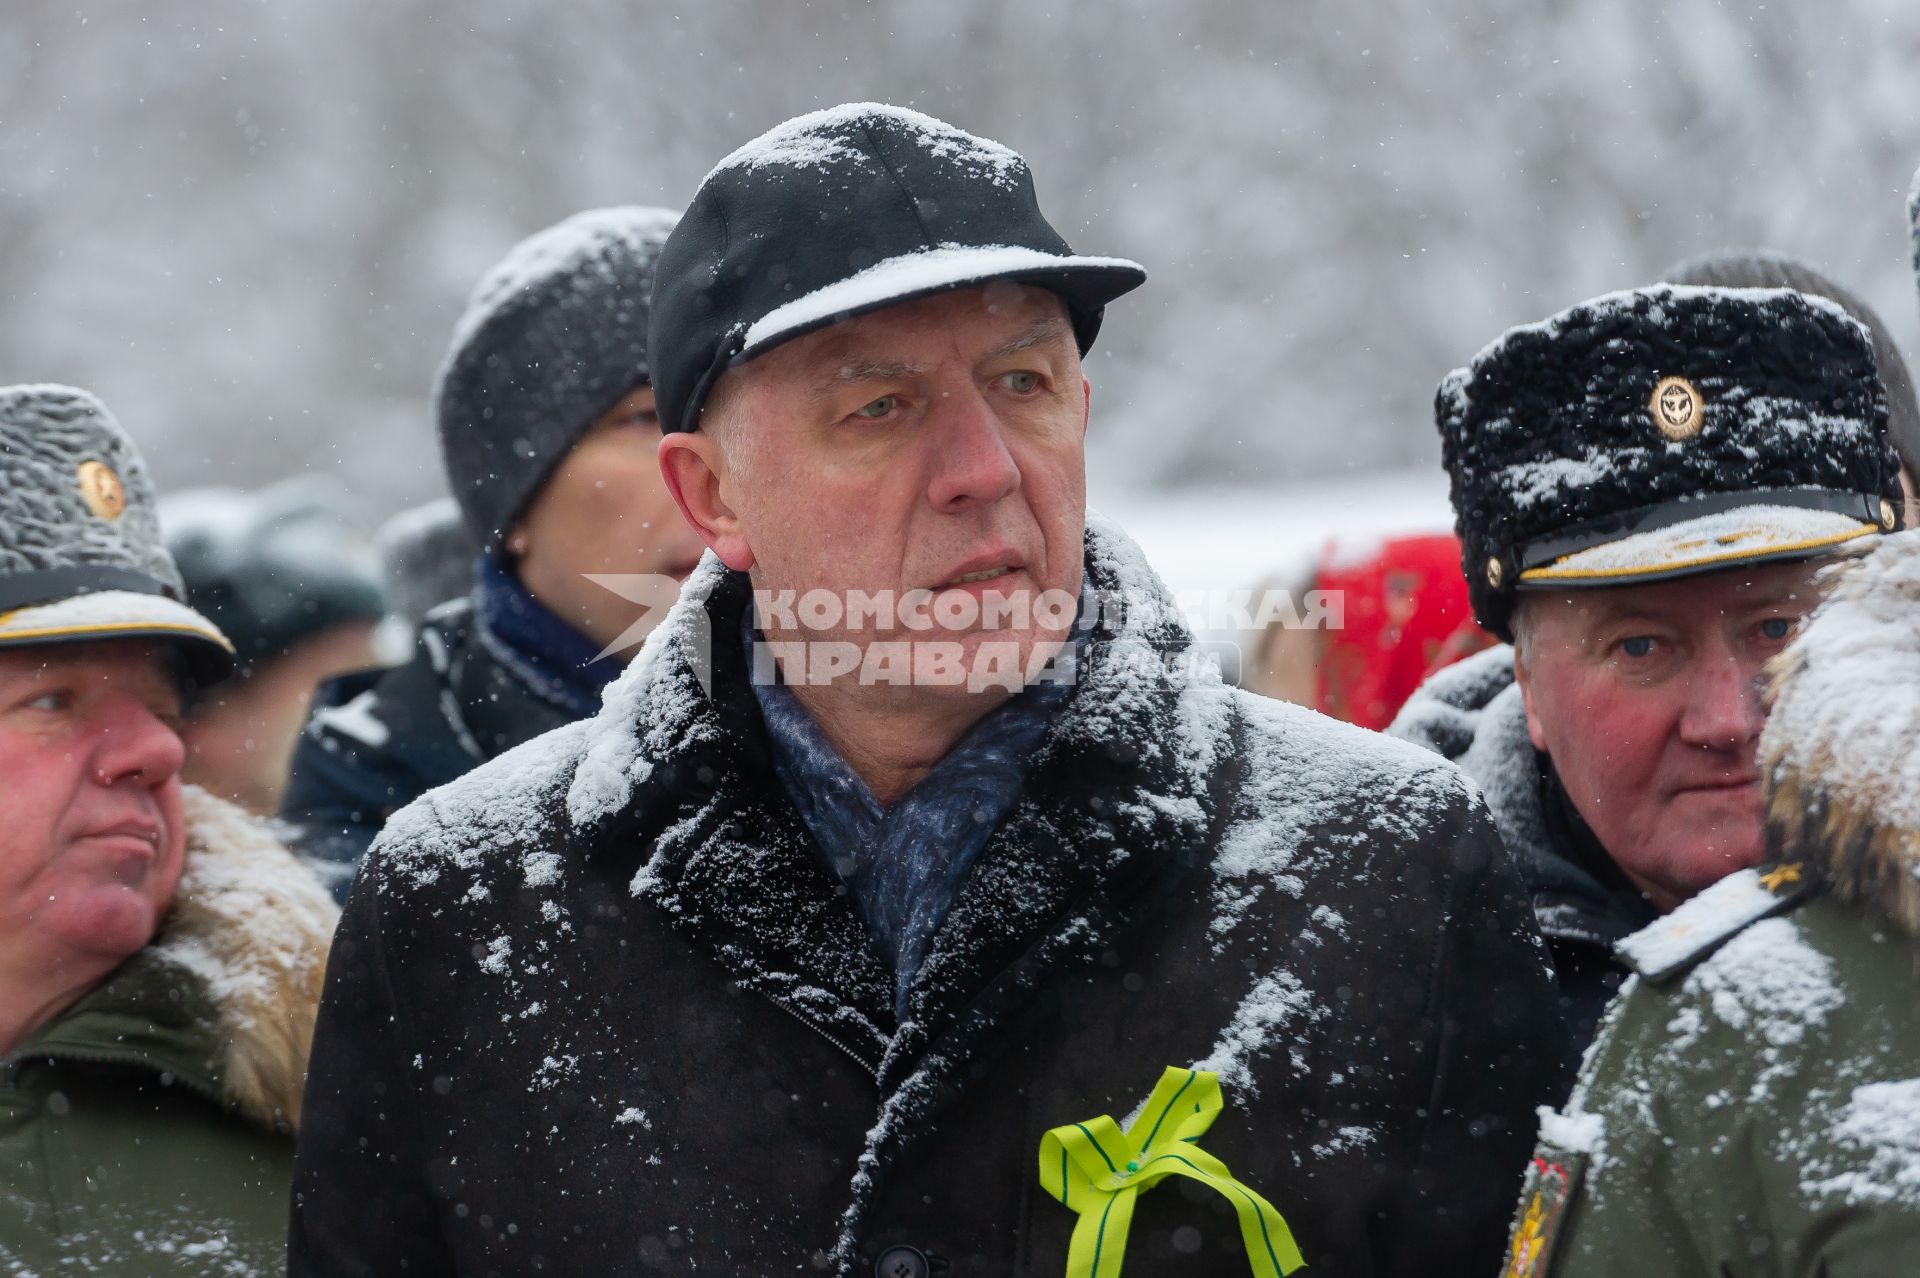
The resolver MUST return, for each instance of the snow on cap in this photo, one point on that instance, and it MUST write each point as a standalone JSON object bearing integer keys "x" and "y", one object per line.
{"x": 844, "y": 211}
{"x": 1661, "y": 432}
{"x": 81, "y": 556}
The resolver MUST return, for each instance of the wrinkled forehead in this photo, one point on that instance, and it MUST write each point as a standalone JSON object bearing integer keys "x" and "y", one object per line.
{"x": 132, "y": 662}
{"x": 1001, "y": 318}
{"x": 1702, "y": 599}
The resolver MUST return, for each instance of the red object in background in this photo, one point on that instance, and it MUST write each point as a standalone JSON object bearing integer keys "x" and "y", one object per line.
{"x": 1406, "y": 615}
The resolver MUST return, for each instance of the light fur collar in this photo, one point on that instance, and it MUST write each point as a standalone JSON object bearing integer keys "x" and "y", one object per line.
{"x": 254, "y": 924}
{"x": 1840, "y": 756}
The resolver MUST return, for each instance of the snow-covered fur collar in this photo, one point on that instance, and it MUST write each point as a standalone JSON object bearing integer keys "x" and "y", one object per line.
{"x": 253, "y": 924}
{"x": 1843, "y": 773}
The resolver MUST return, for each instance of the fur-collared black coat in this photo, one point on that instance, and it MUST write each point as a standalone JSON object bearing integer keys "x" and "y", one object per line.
{"x": 601, "y": 1005}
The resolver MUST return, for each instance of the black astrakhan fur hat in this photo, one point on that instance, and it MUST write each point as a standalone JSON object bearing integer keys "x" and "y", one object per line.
{"x": 1664, "y": 432}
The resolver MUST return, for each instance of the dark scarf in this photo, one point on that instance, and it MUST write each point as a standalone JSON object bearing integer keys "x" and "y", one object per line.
{"x": 554, "y": 660}
{"x": 905, "y": 864}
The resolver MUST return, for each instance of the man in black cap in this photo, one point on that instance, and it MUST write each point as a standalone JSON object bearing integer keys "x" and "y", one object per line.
{"x": 548, "y": 431}
{"x": 1646, "y": 486}
{"x": 906, "y": 848}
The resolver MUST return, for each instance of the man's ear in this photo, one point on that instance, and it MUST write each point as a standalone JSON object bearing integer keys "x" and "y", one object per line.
{"x": 1535, "y": 732}
{"x": 695, "y": 471}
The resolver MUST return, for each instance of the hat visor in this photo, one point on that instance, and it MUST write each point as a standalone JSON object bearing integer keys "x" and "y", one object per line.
{"x": 1087, "y": 284}
{"x": 1707, "y": 543}
{"x": 123, "y": 614}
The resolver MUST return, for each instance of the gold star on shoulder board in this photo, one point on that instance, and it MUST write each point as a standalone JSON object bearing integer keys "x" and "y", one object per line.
{"x": 1780, "y": 876}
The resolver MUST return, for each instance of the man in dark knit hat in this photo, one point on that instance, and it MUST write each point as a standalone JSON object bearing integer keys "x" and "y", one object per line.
{"x": 548, "y": 431}
{"x": 913, "y": 905}
{"x": 1646, "y": 486}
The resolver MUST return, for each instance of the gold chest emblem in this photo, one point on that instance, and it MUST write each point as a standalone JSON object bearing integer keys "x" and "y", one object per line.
{"x": 1677, "y": 408}
{"x": 102, "y": 490}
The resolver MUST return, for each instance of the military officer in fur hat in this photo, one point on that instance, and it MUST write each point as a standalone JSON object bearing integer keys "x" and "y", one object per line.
{"x": 1646, "y": 486}
{"x": 160, "y": 953}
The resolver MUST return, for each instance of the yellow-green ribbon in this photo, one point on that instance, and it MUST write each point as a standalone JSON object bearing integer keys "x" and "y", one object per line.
{"x": 1097, "y": 1170}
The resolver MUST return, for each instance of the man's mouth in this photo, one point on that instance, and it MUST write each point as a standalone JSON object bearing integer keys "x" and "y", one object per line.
{"x": 987, "y": 566}
{"x": 988, "y": 574}
{"x": 1720, "y": 785}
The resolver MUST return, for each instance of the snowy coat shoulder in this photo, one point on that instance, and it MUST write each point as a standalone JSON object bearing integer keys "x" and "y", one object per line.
{"x": 377, "y": 741}
{"x": 604, "y": 1000}
{"x": 149, "y": 1129}
{"x": 1755, "y": 1092}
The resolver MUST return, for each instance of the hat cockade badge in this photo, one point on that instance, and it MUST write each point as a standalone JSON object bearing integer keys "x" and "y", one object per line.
{"x": 1676, "y": 408}
{"x": 102, "y": 490}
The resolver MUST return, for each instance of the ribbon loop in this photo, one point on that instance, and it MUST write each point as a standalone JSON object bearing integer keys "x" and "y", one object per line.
{"x": 1097, "y": 1170}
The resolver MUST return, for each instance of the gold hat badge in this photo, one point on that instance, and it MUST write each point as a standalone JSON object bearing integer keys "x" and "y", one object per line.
{"x": 1677, "y": 408}
{"x": 102, "y": 490}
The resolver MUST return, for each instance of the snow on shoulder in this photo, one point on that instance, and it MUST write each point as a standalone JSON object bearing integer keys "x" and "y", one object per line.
{"x": 1699, "y": 923}
{"x": 469, "y": 823}
{"x": 1307, "y": 773}
{"x": 650, "y": 706}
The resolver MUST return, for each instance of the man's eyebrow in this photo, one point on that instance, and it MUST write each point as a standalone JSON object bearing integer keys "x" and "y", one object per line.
{"x": 853, "y": 372}
{"x": 1039, "y": 331}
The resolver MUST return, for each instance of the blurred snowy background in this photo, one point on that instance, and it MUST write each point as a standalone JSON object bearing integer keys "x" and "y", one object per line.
{"x": 250, "y": 224}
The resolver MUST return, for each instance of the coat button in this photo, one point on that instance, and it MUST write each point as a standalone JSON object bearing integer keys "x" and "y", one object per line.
{"x": 901, "y": 1262}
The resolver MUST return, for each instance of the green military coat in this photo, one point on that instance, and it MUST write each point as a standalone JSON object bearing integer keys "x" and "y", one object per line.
{"x": 1752, "y": 1104}
{"x": 148, "y": 1130}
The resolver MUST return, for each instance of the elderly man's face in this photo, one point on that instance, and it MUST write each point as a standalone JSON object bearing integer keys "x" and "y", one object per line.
{"x": 91, "y": 832}
{"x": 936, "y": 446}
{"x": 1648, "y": 700}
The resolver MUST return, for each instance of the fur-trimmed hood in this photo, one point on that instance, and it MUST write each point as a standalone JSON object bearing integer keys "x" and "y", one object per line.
{"x": 253, "y": 925}
{"x": 1842, "y": 771}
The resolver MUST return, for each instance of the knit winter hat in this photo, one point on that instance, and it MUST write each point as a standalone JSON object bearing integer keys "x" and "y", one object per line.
{"x": 1660, "y": 433}
{"x": 846, "y": 211}
{"x": 1776, "y": 270}
{"x": 552, "y": 339}
{"x": 80, "y": 550}
{"x": 273, "y": 566}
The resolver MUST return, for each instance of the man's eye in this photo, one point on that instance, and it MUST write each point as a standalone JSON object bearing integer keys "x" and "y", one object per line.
{"x": 1637, "y": 646}
{"x": 1022, "y": 383}
{"x": 48, "y": 701}
{"x": 1777, "y": 628}
{"x": 878, "y": 408}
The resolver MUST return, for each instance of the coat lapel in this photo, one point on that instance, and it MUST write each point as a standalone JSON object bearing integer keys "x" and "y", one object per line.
{"x": 1123, "y": 801}
{"x": 726, "y": 856}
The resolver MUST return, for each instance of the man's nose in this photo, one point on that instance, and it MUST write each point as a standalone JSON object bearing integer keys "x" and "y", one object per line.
{"x": 972, "y": 464}
{"x": 134, "y": 744}
{"x": 1724, "y": 709}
